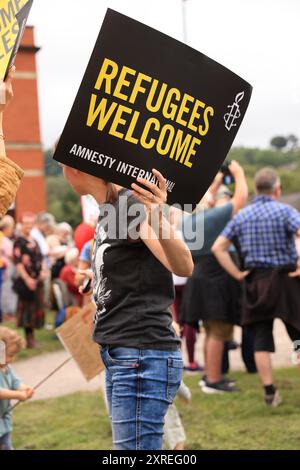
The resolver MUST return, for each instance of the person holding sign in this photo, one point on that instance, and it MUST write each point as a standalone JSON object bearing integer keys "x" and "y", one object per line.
{"x": 10, "y": 173}
{"x": 135, "y": 252}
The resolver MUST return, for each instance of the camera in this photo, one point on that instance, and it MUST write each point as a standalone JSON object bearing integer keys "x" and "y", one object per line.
{"x": 227, "y": 176}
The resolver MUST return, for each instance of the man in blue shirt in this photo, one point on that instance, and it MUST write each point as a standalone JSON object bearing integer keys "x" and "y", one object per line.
{"x": 211, "y": 295}
{"x": 264, "y": 235}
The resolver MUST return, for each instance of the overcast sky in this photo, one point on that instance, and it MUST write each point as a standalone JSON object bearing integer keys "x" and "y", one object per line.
{"x": 257, "y": 39}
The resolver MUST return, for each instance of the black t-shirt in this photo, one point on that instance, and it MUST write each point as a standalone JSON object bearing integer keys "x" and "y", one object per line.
{"x": 132, "y": 289}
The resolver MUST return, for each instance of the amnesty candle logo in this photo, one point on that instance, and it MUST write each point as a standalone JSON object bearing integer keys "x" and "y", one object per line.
{"x": 234, "y": 112}
{"x": 13, "y": 17}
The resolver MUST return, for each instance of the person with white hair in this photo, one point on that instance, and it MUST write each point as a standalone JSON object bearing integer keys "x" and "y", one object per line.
{"x": 44, "y": 226}
{"x": 68, "y": 274}
{"x": 59, "y": 243}
{"x": 64, "y": 232}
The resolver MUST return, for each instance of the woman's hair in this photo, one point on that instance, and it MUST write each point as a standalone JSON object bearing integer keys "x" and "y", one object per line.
{"x": 7, "y": 221}
{"x": 71, "y": 255}
{"x": 11, "y": 339}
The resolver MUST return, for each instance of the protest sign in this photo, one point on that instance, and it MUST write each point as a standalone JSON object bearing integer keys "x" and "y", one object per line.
{"x": 13, "y": 18}
{"x": 149, "y": 101}
{"x": 76, "y": 336}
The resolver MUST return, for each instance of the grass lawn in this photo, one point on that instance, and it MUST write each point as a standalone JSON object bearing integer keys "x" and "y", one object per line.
{"x": 47, "y": 340}
{"x": 237, "y": 421}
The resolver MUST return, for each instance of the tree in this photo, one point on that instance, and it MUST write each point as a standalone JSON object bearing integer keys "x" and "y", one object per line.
{"x": 63, "y": 203}
{"x": 292, "y": 141}
{"x": 279, "y": 142}
{"x": 52, "y": 167}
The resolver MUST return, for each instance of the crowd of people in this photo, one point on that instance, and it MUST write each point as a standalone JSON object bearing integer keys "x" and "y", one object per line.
{"x": 246, "y": 273}
{"x": 39, "y": 263}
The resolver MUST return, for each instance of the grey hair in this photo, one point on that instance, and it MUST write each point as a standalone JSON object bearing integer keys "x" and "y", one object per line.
{"x": 6, "y": 221}
{"x": 266, "y": 180}
{"x": 46, "y": 218}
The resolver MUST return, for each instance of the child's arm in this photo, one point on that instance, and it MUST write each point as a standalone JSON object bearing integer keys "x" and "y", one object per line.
{"x": 26, "y": 388}
{"x": 6, "y": 394}
{"x": 160, "y": 236}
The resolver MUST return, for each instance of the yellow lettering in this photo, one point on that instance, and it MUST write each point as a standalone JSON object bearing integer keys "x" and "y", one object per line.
{"x": 150, "y": 122}
{"x": 104, "y": 115}
{"x": 106, "y": 75}
{"x": 129, "y": 137}
{"x": 122, "y": 82}
{"x": 191, "y": 152}
{"x": 167, "y": 129}
{"x": 138, "y": 88}
{"x": 169, "y": 109}
{"x": 119, "y": 121}
{"x": 153, "y": 108}
{"x": 209, "y": 110}
{"x": 180, "y": 146}
{"x": 184, "y": 109}
{"x": 195, "y": 115}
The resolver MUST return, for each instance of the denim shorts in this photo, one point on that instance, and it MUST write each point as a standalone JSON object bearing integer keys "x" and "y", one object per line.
{"x": 140, "y": 385}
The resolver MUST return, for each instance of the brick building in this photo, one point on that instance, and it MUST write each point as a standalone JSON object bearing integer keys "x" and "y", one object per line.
{"x": 22, "y": 129}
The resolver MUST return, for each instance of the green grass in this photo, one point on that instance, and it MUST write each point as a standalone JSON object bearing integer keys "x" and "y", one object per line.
{"x": 47, "y": 340}
{"x": 237, "y": 421}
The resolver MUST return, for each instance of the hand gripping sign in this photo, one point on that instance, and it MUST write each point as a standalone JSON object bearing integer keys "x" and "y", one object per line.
{"x": 148, "y": 101}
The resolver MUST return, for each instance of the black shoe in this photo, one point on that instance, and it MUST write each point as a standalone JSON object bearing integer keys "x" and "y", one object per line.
{"x": 232, "y": 345}
{"x": 218, "y": 387}
{"x": 230, "y": 382}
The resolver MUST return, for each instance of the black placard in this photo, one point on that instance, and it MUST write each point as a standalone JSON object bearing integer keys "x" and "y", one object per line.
{"x": 149, "y": 101}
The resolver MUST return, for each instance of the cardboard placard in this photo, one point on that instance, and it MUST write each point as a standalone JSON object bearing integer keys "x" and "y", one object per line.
{"x": 149, "y": 101}
{"x": 13, "y": 18}
{"x": 76, "y": 336}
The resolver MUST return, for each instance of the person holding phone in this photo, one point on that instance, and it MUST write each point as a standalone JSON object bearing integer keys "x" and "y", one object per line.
{"x": 211, "y": 295}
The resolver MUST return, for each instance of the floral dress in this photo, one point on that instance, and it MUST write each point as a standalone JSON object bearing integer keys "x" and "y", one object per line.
{"x": 30, "y": 313}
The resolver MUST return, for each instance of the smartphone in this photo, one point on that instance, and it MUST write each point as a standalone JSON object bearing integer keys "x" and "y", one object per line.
{"x": 86, "y": 286}
{"x": 227, "y": 176}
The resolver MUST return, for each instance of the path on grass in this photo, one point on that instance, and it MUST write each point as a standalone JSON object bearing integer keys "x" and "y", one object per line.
{"x": 70, "y": 380}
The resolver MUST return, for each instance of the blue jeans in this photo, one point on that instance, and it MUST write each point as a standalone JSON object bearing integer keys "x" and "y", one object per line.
{"x": 5, "y": 442}
{"x": 140, "y": 386}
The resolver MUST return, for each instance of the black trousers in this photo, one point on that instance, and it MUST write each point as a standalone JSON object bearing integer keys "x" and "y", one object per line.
{"x": 247, "y": 351}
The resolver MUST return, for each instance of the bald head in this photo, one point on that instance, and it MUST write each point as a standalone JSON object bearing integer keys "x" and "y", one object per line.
{"x": 267, "y": 181}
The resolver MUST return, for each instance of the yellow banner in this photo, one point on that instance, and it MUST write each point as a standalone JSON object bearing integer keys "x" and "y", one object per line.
{"x": 9, "y": 31}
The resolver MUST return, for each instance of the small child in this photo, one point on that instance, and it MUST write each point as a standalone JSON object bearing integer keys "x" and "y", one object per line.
{"x": 11, "y": 387}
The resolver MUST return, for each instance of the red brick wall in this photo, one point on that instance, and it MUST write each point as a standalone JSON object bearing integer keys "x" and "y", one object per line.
{"x": 22, "y": 129}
